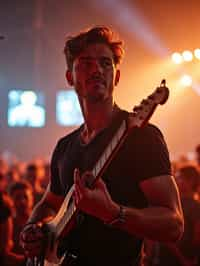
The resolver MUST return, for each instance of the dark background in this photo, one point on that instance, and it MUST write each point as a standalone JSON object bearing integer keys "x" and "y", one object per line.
{"x": 31, "y": 57}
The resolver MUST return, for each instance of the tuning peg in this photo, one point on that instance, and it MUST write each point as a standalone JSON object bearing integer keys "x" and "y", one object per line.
{"x": 163, "y": 83}
{"x": 137, "y": 108}
{"x": 151, "y": 97}
{"x": 159, "y": 89}
{"x": 145, "y": 102}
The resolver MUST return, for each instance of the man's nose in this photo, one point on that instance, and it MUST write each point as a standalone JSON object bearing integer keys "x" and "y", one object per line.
{"x": 97, "y": 67}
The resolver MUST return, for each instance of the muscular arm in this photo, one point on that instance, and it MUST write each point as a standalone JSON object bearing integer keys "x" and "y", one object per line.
{"x": 163, "y": 219}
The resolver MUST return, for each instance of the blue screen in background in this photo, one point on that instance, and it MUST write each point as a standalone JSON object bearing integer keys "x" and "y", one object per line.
{"x": 25, "y": 108}
{"x": 68, "y": 111}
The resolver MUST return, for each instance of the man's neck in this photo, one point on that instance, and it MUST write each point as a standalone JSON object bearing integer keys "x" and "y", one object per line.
{"x": 96, "y": 119}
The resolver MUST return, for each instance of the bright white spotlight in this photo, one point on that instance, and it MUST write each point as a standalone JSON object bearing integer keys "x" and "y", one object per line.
{"x": 25, "y": 109}
{"x": 28, "y": 98}
{"x": 187, "y": 56}
{"x": 177, "y": 58}
{"x": 68, "y": 112}
{"x": 197, "y": 53}
{"x": 186, "y": 80}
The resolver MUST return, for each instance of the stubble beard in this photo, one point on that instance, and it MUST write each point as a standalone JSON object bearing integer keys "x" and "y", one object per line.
{"x": 98, "y": 96}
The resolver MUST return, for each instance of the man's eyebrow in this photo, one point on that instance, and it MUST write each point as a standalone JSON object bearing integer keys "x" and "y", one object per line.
{"x": 106, "y": 58}
{"x": 91, "y": 57}
{"x": 86, "y": 57}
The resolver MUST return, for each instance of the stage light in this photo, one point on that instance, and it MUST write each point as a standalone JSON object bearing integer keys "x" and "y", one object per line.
{"x": 68, "y": 111}
{"x": 177, "y": 58}
{"x": 25, "y": 109}
{"x": 187, "y": 56}
{"x": 186, "y": 80}
{"x": 28, "y": 98}
{"x": 197, "y": 53}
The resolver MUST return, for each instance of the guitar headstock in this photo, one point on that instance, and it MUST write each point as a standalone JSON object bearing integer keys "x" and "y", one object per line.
{"x": 142, "y": 113}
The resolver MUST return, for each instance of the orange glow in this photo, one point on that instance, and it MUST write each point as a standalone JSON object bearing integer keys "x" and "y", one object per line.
{"x": 186, "y": 80}
{"x": 187, "y": 56}
{"x": 197, "y": 53}
{"x": 177, "y": 58}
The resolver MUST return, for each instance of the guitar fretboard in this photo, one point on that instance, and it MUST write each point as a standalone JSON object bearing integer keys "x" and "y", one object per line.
{"x": 67, "y": 213}
{"x": 109, "y": 150}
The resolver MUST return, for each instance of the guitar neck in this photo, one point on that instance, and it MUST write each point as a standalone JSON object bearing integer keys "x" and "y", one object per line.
{"x": 110, "y": 152}
{"x": 65, "y": 214}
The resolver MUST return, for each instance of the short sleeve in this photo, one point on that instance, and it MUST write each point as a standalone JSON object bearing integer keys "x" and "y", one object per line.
{"x": 151, "y": 154}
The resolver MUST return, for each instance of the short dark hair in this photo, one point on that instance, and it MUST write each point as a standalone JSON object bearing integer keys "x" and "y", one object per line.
{"x": 76, "y": 44}
{"x": 31, "y": 167}
{"x": 20, "y": 185}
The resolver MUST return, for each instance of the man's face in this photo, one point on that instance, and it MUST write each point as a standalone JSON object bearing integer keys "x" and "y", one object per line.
{"x": 23, "y": 200}
{"x": 94, "y": 73}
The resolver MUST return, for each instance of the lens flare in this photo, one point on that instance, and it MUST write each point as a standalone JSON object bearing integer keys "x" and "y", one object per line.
{"x": 177, "y": 58}
{"x": 187, "y": 56}
{"x": 197, "y": 53}
{"x": 186, "y": 80}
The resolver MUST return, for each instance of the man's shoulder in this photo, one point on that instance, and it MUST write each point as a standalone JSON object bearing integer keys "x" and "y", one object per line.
{"x": 70, "y": 135}
{"x": 153, "y": 129}
{"x": 65, "y": 140}
{"x": 150, "y": 130}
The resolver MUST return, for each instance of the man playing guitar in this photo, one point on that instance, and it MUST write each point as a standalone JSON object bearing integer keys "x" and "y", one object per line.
{"x": 135, "y": 196}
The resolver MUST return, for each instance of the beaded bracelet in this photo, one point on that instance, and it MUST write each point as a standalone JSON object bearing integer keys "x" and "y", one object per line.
{"x": 119, "y": 219}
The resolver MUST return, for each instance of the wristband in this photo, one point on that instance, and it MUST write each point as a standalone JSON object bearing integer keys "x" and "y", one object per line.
{"x": 119, "y": 219}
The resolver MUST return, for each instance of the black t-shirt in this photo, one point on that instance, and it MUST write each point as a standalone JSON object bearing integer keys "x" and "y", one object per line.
{"x": 143, "y": 155}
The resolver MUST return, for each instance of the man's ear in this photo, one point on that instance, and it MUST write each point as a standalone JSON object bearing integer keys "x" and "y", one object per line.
{"x": 117, "y": 77}
{"x": 69, "y": 77}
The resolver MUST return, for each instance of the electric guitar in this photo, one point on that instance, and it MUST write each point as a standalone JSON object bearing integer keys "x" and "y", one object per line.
{"x": 68, "y": 211}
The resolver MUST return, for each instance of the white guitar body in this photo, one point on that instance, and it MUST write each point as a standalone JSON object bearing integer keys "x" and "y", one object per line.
{"x": 55, "y": 228}
{"x": 140, "y": 116}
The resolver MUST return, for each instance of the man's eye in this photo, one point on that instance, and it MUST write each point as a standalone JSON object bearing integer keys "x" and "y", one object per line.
{"x": 86, "y": 63}
{"x": 106, "y": 63}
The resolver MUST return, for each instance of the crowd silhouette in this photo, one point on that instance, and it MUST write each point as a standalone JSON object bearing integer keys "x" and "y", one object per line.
{"x": 22, "y": 185}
